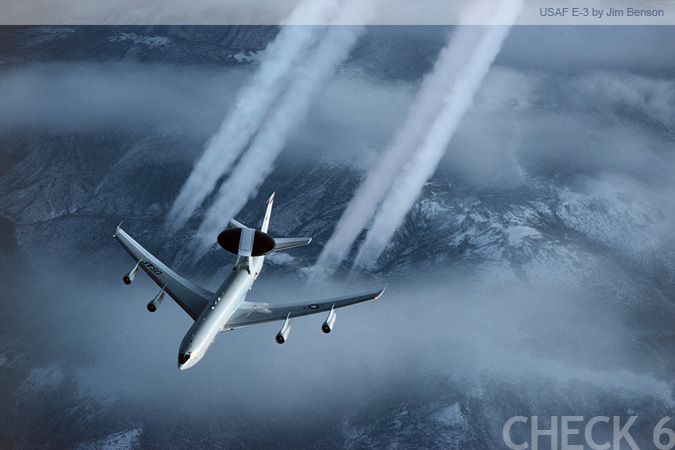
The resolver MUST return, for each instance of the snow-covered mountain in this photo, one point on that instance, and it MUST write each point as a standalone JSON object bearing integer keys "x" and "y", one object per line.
{"x": 221, "y": 46}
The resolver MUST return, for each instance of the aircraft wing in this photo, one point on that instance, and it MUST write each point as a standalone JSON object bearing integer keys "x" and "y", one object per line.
{"x": 251, "y": 313}
{"x": 192, "y": 298}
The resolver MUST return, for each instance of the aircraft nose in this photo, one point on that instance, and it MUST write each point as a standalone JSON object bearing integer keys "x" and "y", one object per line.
{"x": 187, "y": 365}
{"x": 184, "y": 361}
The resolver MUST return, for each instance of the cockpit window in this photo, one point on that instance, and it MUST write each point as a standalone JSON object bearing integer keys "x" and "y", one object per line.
{"x": 183, "y": 357}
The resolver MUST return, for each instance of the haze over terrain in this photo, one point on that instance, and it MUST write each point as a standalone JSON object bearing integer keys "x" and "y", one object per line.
{"x": 534, "y": 275}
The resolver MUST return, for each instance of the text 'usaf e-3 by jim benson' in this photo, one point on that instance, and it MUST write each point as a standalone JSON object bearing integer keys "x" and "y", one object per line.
{"x": 227, "y": 308}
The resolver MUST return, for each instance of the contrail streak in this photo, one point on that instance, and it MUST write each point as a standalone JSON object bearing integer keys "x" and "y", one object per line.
{"x": 257, "y": 162}
{"x": 422, "y": 165}
{"x": 252, "y": 106}
{"x": 417, "y": 123}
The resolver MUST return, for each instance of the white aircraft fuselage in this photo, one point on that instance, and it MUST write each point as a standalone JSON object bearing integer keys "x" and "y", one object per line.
{"x": 230, "y": 296}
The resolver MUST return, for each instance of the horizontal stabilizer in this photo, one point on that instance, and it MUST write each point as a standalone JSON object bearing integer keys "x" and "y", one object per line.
{"x": 234, "y": 224}
{"x": 286, "y": 243}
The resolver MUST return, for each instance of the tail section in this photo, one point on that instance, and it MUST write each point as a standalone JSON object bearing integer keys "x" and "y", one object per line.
{"x": 268, "y": 213}
{"x": 244, "y": 241}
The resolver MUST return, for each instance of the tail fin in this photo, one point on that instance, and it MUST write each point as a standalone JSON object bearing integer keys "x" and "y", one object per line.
{"x": 268, "y": 213}
{"x": 281, "y": 243}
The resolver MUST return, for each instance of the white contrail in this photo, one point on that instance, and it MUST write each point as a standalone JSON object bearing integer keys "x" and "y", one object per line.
{"x": 422, "y": 165}
{"x": 427, "y": 105}
{"x": 257, "y": 162}
{"x": 253, "y": 103}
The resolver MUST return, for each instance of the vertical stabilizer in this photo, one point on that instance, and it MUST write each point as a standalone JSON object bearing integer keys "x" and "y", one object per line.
{"x": 268, "y": 213}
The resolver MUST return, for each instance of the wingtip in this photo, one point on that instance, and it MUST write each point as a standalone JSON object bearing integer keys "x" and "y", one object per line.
{"x": 117, "y": 229}
{"x": 271, "y": 197}
{"x": 381, "y": 292}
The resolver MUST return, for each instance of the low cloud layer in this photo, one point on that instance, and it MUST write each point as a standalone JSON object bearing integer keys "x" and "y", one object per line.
{"x": 491, "y": 327}
{"x": 523, "y": 120}
{"x": 359, "y": 114}
{"x": 124, "y": 97}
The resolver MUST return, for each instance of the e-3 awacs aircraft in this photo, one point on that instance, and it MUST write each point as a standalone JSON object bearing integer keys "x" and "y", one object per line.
{"x": 227, "y": 308}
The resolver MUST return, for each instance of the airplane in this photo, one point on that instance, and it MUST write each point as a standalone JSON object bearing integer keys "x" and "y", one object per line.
{"x": 227, "y": 308}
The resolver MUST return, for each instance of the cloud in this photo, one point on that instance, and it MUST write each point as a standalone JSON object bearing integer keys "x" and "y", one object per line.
{"x": 525, "y": 125}
{"x": 479, "y": 327}
{"x": 359, "y": 114}
{"x": 128, "y": 97}
{"x": 568, "y": 50}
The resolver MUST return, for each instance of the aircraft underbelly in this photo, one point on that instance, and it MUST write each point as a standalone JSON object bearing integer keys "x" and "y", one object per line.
{"x": 218, "y": 311}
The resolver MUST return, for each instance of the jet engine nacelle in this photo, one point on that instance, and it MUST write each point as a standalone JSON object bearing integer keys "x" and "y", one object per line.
{"x": 327, "y": 326}
{"x": 154, "y": 304}
{"x": 282, "y": 335}
{"x": 128, "y": 278}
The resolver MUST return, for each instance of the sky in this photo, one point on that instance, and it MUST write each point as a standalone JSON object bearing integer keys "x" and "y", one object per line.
{"x": 589, "y": 109}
